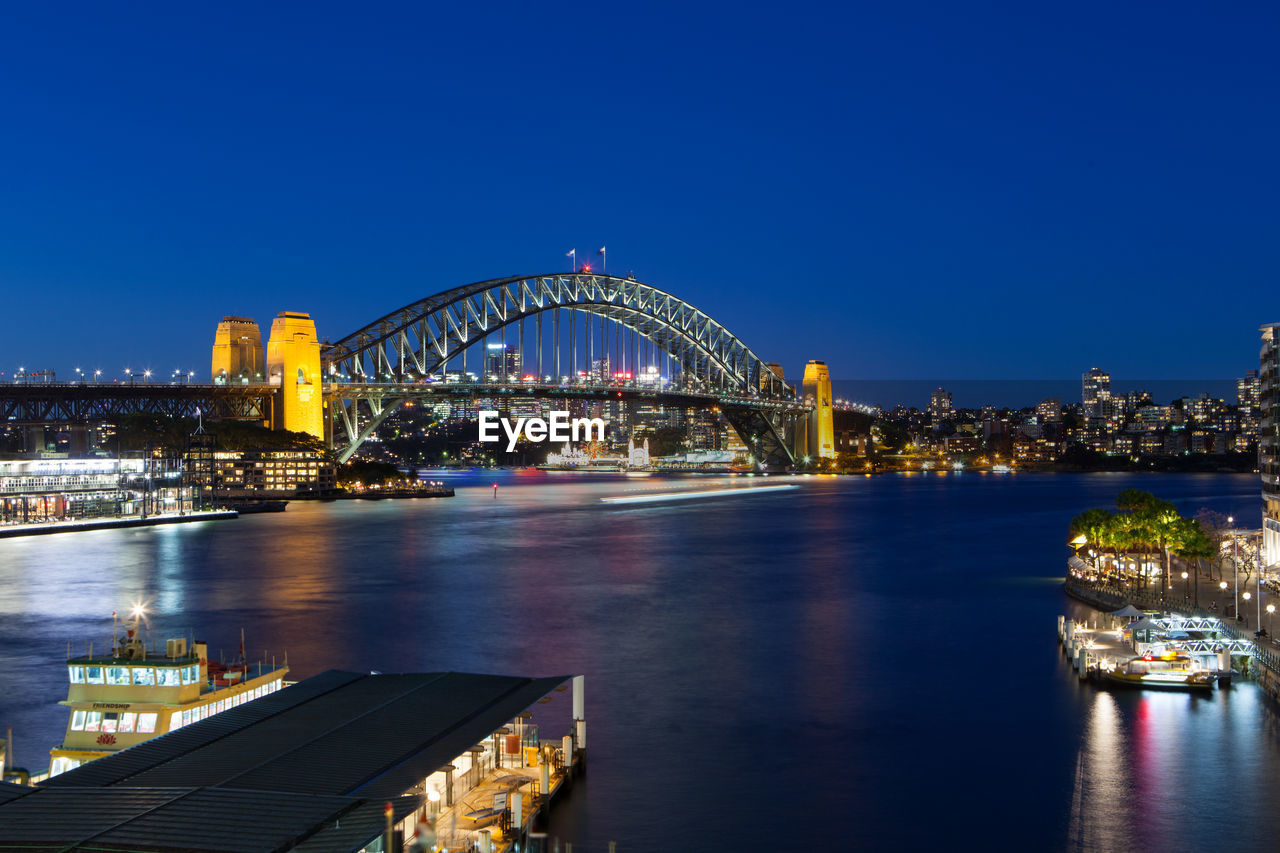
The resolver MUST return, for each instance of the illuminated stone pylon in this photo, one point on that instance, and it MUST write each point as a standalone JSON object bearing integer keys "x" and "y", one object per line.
{"x": 293, "y": 364}
{"x": 237, "y": 352}
{"x": 821, "y": 426}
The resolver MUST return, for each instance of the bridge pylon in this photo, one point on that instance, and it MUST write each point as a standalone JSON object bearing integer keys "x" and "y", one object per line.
{"x": 293, "y": 368}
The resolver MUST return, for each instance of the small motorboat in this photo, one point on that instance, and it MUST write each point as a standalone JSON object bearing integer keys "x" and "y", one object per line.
{"x": 1152, "y": 673}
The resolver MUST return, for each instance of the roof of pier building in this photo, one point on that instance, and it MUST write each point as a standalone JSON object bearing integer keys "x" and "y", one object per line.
{"x": 338, "y": 734}
{"x": 309, "y": 766}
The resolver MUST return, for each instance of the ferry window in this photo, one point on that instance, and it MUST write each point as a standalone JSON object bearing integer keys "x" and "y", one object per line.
{"x": 77, "y": 722}
{"x": 60, "y": 765}
{"x": 126, "y": 722}
{"x": 92, "y": 721}
{"x": 93, "y": 674}
{"x": 222, "y": 706}
{"x": 146, "y": 723}
{"x": 77, "y": 674}
{"x": 188, "y": 675}
{"x": 144, "y": 675}
{"x": 175, "y": 720}
{"x": 167, "y": 676}
{"x": 109, "y": 721}
{"x": 117, "y": 675}
{"x": 186, "y": 718}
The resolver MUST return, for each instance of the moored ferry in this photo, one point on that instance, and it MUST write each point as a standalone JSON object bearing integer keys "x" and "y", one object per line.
{"x": 134, "y": 693}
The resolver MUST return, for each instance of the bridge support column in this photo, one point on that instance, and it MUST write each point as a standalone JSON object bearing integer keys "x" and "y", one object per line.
{"x": 759, "y": 434}
{"x": 293, "y": 365}
{"x": 36, "y": 440}
{"x": 78, "y": 439}
{"x": 817, "y": 392}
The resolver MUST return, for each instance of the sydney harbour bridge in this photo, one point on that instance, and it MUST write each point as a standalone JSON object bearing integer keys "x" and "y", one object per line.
{"x": 580, "y": 336}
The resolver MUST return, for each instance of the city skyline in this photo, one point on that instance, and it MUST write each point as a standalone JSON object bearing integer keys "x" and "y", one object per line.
{"x": 1004, "y": 194}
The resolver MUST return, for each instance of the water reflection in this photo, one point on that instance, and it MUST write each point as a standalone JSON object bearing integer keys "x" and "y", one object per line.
{"x": 864, "y": 648}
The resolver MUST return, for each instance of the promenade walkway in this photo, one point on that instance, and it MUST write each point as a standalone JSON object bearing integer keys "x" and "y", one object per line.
{"x": 41, "y": 528}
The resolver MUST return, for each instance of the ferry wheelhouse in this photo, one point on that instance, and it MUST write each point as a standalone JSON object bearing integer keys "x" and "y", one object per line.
{"x": 134, "y": 693}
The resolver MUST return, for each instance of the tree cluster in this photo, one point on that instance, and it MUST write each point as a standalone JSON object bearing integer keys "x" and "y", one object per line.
{"x": 1143, "y": 526}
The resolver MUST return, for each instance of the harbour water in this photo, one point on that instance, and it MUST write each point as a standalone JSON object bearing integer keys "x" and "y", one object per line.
{"x": 857, "y": 662}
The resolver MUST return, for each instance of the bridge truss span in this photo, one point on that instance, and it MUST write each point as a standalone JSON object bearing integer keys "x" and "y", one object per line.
{"x": 595, "y": 320}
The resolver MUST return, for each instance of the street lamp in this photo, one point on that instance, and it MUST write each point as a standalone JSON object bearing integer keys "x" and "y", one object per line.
{"x": 1271, "y": 612}
{"x": 1186, "y": 584}
{"x": 1246, "y": 596}
{"x": 96, "y": 374}
{"x": 1223, "y": 586}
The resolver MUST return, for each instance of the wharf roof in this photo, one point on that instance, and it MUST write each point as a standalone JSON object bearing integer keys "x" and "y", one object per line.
{"x": 190, "y": 819}
{"x": 336, "y": 734}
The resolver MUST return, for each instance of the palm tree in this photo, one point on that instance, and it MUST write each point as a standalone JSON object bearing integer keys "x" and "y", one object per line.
{"x": 1092, "y": 524}
{"x": 1191, "y": 543}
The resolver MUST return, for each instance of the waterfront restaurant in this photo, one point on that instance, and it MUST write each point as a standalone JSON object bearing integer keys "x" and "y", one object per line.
{"x": 325, "y": 764}
{"x": 40, "y": 490}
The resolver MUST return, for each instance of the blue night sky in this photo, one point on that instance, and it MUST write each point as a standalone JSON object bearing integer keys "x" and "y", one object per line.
{"x": 903, "y": 190}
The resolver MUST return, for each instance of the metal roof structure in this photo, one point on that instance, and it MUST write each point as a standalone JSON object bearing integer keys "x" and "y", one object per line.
{"x": 189, "y": 819}
{"x": 339, "y": 733}
{"x": 307, "y": 767}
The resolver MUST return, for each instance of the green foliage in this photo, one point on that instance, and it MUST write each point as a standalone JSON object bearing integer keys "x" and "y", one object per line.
{"x": 665, "y": 441}
{"x": 166, "y": 434}
{"x": 368, "y": 472}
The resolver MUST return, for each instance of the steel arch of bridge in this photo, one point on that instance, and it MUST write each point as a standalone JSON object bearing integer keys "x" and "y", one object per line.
{"x": 421, "y": 338}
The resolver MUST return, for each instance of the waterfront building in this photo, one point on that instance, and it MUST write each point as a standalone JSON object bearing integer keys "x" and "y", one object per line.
{"x": 289, "y": 469}
{"x": 960, "y": 443}
{"x": 237, "y": 352}
{"x": 1269, "y": 441}
{"x": 1095, "y": 392}
{"x": 45, "y": 490}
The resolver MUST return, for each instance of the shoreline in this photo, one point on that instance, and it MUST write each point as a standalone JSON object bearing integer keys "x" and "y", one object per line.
{"x": 80, "y": 526}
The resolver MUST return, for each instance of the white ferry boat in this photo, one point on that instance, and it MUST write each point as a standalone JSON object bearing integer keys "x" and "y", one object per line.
{"x": 134, "y": 693}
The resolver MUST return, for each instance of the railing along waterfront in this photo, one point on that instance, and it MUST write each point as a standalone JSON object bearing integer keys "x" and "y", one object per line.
{"x": 1116, "y": 594}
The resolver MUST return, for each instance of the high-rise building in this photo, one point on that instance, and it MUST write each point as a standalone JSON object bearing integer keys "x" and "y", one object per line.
{"x": 502, "y": 363}
{"x": 1247, "y": 392}
{"x": 1095, "y": 388}
{"x": 940, "y": 406}
{"x": 237, "y": 352}
{"x": 1269, "y": 442}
